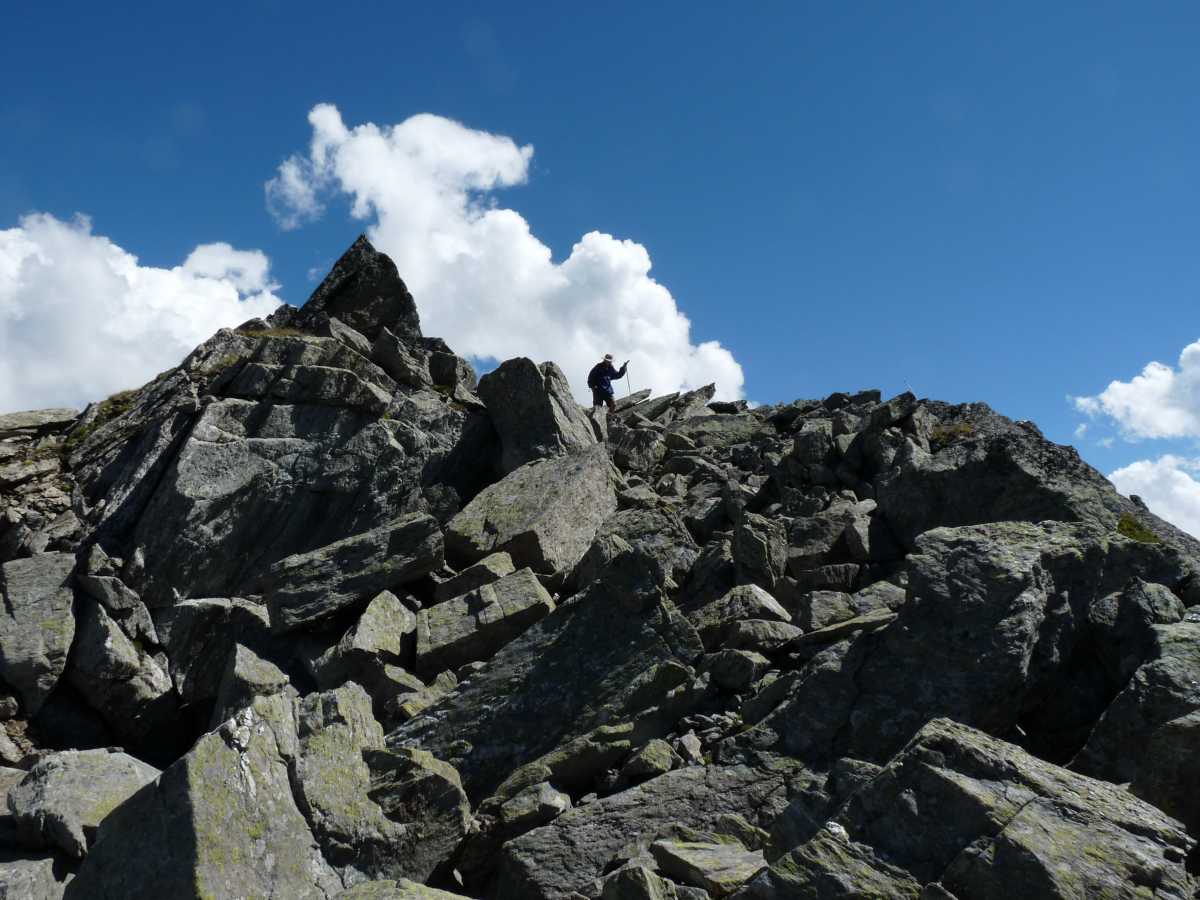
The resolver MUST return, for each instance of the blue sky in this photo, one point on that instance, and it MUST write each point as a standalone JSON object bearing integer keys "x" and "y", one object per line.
{"x": 994, "y": 203}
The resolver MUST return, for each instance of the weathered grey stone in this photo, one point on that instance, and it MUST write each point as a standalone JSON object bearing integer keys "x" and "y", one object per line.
{"x": 311, "y": 586}
{"x": 407, "y": 696}
{"x": 812, "y": 540}
{"x": 355, "y": 340}
{"x": 475, "y": 626}
{"x": 991, "y": 469}
{"x": 544, "y": 515}
{"x": 1010, "y": 824}
{"x": 867, "y": 539}
{"x": 879, "y": 595}
{"x": 571, "y": 851}
{"x": 128, "y": 688}
{"x": 639, "y": 449}
{"x": 717, "y": 430}
{"x": 1123, "y": 625}
{"x": 220, "y": 822}
{"x": 675, "y": 407}
{"x": 654, "y": 759}
{"x": 318, "y": 385}
{"x": 534, "y": 806}
{"x": 195, "y": 633}
{"x": 402, "y": 889}
{"x": 122, "y": 603}
{"x": 718, "y": 868}
{"x": 817, "y": 609}
{"x": 760, "y": 635}
{"x": 713, "y": 620}
{"x": 374, "y": 651}
{"x": 37, "y": 625}
{"x": 736, "y": 670}
{"x": 42, "y": 878}
{"x": 831, "y": 866}
{"x": 636, "y": 882}
{"x": 490, "y": 568}
{"x": 1139, "y": 736}
{"x": 656, "y": 532}
{"x": 832, "y": 577}
{"x": 246, "y": 676}
{"x": 64, "y": 798}
{"x": 534, "y": 412}
{"x": 382, "y": 814}
{"x": 1167, "y": 770}
{"x": 364, "y": 290}
{"x": 425, "y": 795}
{"x": 33, "y": 421}
{"x": 224, "y": 490}
{"x": 9, "y": 778}
{"x": 994, "y": 614}
{"x": 608, "y": 665}
{"x": 760, "y": 549}
{"x": 404, "y": 359}
{"x": 10, "y": 753}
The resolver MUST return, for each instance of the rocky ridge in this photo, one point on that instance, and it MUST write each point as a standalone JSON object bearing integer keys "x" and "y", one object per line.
{"x": 318, "y": 613}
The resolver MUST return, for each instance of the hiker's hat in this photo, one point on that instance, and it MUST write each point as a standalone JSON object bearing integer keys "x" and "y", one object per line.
{"x": 608, "y": 356}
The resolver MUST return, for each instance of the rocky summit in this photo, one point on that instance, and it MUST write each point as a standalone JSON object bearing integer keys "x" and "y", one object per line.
{"x": 320, "y": 614}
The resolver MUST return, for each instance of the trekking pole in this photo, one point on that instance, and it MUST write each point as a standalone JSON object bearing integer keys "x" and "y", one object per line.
{"x": 628, "y": 383}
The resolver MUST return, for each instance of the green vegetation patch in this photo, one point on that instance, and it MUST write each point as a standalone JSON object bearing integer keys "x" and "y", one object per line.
{"x": 1135, "y": 530}
{"x": 943, "y": 435}
{"x": 112, "y": 407}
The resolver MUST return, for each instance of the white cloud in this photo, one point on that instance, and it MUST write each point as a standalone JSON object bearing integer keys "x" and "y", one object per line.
{"x": 1167, "y": 488}
{"x": 1161, "y": 402}
{"x": 80, "y": 318}
{"x": 481, "y": 279}
{"x": 1080, "y": 430}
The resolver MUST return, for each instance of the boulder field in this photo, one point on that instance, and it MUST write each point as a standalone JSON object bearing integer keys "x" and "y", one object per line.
{"x": 319, "y": 613}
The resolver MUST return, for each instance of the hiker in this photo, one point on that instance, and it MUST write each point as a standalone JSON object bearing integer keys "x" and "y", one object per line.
{"x": 600, "y": 380}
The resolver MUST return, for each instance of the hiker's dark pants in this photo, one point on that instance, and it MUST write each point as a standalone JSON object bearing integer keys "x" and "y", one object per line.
{"x": 599, "y": 398}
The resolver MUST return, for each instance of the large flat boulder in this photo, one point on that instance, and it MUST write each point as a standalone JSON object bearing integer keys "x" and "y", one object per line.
{"x": 476, "y": 625}
{"x": 1148, "y": 736}
{"x": 534, "y": 412}
{"x": 994, "y": 615}
{"x": 571, "y": 852}
{"x": 311, "y": 586}
{"x": 980, "y": 818}
{"x": 544, "y": 514}
{"x": 382, "y": 814}
{"x": 32, "y": 877}
{"x": 37, "y": 625}
{"x": 231, "y": 488}
{"x": 588, "y": 664}
{"x": 983, "y": 468}
{"x": 220, "y": 822}
{"x": 64, "y": 798}
{"x": 120, "y": 680}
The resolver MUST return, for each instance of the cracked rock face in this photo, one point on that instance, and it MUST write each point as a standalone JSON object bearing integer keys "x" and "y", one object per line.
{"x": 318, "y": 614}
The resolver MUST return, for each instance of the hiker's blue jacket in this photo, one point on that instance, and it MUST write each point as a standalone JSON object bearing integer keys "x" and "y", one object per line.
{"x": 602, "y": 375}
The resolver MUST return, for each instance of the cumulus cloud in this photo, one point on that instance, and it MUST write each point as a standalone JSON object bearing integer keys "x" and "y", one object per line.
{"x": 481, "y": 279}
{"x": 1168, "y": 487}
{"x": 80, "y": 318}
{"x": 1161, "y": 402}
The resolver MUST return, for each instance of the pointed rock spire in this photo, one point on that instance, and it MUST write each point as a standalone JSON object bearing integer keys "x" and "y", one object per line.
{"x": 363, "y": 290}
